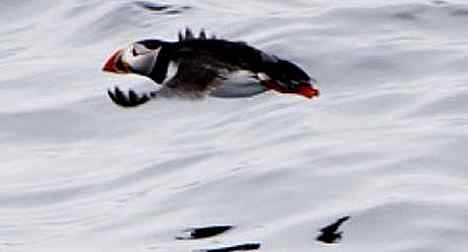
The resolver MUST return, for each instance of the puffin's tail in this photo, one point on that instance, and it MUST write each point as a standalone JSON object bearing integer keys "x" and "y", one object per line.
{"x": 286, "y": 77}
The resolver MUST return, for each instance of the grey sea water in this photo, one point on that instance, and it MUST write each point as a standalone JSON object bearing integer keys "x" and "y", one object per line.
{"x": 385, "y": 143}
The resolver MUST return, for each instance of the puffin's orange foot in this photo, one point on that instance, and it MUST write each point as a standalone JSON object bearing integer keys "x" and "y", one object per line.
{"x": 303, "y": 88}
{"x": 308, "y": 91}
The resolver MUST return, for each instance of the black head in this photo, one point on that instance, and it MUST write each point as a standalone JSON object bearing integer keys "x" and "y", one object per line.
{"x": 140, "y": 57}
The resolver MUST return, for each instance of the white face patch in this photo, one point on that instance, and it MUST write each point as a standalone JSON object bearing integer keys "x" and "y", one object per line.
{"x": 140, "y": 59}
{"x": 139, "y": 49}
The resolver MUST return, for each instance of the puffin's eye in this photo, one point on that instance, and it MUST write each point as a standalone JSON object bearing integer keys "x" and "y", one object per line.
{"x": 134, "y": 52}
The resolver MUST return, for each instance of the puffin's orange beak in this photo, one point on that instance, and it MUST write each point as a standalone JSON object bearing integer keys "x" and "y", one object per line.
{"x": 308, "y": 91}
{"x": 114, "y": 63}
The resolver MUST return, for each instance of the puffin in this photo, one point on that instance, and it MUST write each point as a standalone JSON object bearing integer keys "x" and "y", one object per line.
{"x": 196, "y": 66}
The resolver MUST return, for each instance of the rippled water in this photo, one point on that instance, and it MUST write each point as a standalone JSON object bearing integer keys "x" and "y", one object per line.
{"x": 385, "y": 143}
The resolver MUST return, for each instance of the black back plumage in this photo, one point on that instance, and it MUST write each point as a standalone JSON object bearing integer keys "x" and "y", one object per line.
{"x": 222, "y": 54}
{"x": 229, "y": 54}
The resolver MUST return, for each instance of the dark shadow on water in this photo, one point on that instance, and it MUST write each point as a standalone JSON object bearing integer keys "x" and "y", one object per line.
{"x": 406, "y": 16}
{"x": 161, "y": 8}
{"x": 439, "y": 2}
{"x": 173, "y": 12}
{"x": 204, "y": 232}
{"x": 330, "y": 234}
{"x": 460, "y": 12}
{"x": 243, "y": 247}
{"x": 152, "y": 6}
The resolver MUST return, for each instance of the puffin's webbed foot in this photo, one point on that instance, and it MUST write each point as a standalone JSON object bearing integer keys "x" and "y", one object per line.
{"x": 132, "y": 100}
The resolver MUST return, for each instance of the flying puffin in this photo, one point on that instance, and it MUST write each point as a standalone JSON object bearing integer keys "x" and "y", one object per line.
{"x": 194, "y": 67}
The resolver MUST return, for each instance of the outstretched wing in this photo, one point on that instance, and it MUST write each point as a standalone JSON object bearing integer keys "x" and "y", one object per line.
{"x": 193, "y": 80}
{"x": 188, "y": 35}
{"x": 130, "y": 100}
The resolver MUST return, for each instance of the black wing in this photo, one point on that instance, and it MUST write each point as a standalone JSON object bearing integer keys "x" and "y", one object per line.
{"x": 130, "y": 100}
{"x": 188, "y": 35}
{"x": 192, "y": 80}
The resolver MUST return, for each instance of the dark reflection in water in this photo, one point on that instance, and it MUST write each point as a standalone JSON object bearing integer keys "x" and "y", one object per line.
{"x": 204, "y": 232}
{"x": 152, "y": 6}
{"x": 460, "y": 12}
{"x": 161, "y": 8}
{"x": 329, "y": 234}
{"x": 439, "y": 2}
{"x": 243, "y": 247}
